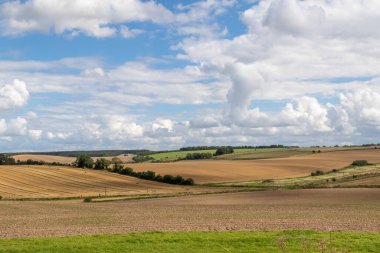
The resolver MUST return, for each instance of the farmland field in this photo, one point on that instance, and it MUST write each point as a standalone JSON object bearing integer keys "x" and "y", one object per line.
{"x": 253, "y": 153}
{"x": 66, "y": 159}
{"x": 175, "y": 155}
{"x": 55, "y": 181}
{"x": 350, "y": 176}
{"x": 216, "y": 171}
{"x": 370, "y": 181}
{"x": 322, "y": 210}
{"x": 45, "y": 158}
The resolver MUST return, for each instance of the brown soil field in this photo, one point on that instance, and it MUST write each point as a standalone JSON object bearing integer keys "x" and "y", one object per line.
{"x": 54, "y": 182}
{"x": 262, "y": 155}
{"x": 217, "y": 171}
{"x": 45, "y": 158}
{"x": 322, "y": 209}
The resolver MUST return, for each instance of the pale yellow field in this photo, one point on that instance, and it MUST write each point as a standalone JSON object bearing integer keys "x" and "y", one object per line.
{"x": 45, "y": 158}
{"x": 63, "y": 159}
{"x": 53, "y": 182}
{"x": 216, "y": 171}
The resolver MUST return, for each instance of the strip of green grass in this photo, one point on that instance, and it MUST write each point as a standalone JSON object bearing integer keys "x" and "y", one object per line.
{"x": 294, "y": 241}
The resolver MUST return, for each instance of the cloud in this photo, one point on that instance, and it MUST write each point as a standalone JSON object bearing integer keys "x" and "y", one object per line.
{"x": 13, "y": 95}
{"x": 95, "y": 72}
{"x": 314, "y": 64}
{"x": 162, "y": 124}
{"x": 292, "y": 50}
{"x": 362, "y": 107}
{"x": 127, "y": 33}
{"x": 93, "y": 18}
{"x": 35, "y": 133}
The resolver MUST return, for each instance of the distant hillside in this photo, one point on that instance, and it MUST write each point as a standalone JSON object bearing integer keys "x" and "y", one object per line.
{"x": 93, "y": 153}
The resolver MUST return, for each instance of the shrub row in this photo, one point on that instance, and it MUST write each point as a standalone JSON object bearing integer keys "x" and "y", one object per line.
{"x": 151, "y": 175}
{"x": 7, "y": 160}
{"x": 198, "y": 156}
{"x": 317, "y": 173}
{"x": 142, "y": 158}
{"x": 360, "y": 163}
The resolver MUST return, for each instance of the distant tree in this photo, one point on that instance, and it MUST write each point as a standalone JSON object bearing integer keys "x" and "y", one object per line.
{"x": 188, "y": 181}
{"x": 117, "y": 164}
{"x": 317, "y": 173}
{"x": 169, "y": 179}
{"x": 84, "y": 161}
{"x": 6, "y": 160}
{"x": 102, "y": 164}
{"x": 196, "y": 156}
{"x": 360, "y": 163}
{"x": 142, "y": 158}
{"x": 224, "y": 150}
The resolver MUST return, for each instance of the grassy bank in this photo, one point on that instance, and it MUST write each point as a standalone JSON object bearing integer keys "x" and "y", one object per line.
{"x": 287, "y": 241}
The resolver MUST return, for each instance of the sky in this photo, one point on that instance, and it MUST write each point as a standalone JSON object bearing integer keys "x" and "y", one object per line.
{"x": 134, "y": 74}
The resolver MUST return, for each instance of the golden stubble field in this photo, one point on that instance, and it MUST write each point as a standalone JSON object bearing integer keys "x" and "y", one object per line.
{"x": 217, "y": 171}
{"x": 55, "y": 182}
{"x": 45, "y": 158}
{"x": 317, "y": 209}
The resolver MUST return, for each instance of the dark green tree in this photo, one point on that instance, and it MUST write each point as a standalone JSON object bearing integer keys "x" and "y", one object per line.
{"x": 102, "y": 164}
{"x": 84, "y": 161}
{"x": 224, "y": 150}
{"x": 6, "y": 160}
{"x": 117, "y": 164}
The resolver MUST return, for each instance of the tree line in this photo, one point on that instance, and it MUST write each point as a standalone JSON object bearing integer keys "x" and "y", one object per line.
{"x": 193, "y": 148}
{"x": 116, "y": 166}
{"x": 8, "y": 160}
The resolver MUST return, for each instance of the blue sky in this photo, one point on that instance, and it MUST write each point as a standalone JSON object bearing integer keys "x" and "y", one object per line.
{"x": 166, "y": 74}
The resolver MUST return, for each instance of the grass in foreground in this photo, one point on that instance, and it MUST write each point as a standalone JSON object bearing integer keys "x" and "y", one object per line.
{"x": 286, "y": 241}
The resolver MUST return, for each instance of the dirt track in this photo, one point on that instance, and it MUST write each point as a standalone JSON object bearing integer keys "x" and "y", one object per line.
{"x": 216, "y": 171}
{"x": 324, "y": 209}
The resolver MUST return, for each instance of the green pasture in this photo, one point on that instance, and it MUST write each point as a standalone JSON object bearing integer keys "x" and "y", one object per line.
{"x": 192, "y": 242}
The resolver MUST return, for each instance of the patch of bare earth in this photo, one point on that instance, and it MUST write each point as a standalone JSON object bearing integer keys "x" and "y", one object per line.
{"x": 217, "y": 171}
{"x": 322, "y": 209}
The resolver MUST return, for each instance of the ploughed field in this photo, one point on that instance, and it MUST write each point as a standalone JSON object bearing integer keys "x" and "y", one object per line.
{"x": 314, "y": 209}
{"x": 217, "y": 171}
{"x": 56, "y": 181}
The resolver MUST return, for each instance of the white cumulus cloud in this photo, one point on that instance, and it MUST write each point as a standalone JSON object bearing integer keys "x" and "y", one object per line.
{"x": 94, "y": 18}
{"x": 13, "y": 95}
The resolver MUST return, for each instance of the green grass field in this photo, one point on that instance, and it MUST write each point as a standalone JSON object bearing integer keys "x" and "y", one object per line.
{"x": 286, "y": 241}
{"x": 175, "y": 155}
{"x": 238, "y": 154}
